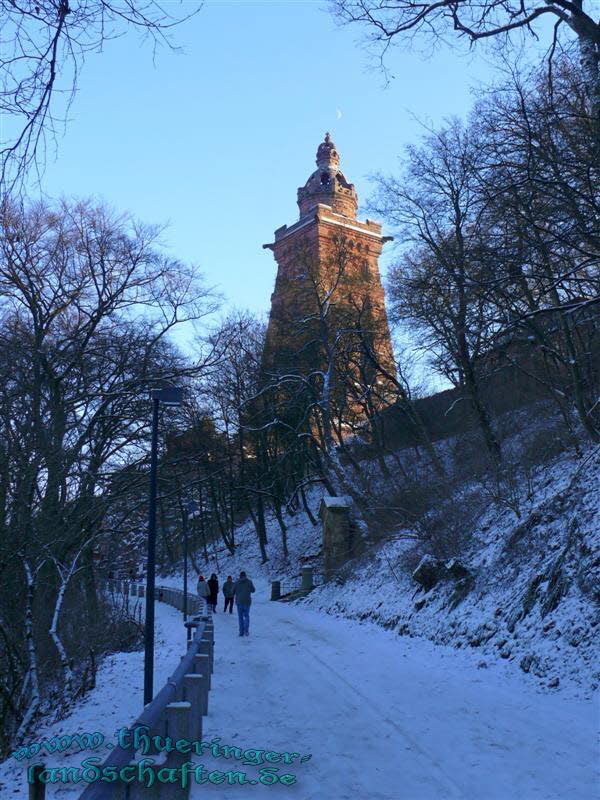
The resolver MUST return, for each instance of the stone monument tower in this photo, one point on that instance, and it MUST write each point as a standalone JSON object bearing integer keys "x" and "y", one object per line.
{"x": 327, "y": 268}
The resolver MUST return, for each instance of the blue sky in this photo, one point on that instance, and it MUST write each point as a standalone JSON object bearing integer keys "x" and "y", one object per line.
{"x": 215, "y": 140}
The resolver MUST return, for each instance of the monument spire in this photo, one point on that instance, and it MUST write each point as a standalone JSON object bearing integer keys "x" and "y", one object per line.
{"x": 308, "y": 252}
{"x": 327, "y": 185}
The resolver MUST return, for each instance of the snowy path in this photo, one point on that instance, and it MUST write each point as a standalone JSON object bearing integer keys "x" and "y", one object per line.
{"x": 387, "y": 718}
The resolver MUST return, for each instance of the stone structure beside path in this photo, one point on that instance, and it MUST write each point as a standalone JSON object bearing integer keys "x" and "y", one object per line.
{"x": 338, "y": 535}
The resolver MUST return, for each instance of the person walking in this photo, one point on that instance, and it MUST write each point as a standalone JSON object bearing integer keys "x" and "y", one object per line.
{"x": 203, "y": 591}
{"x": 213, "y": 585}
{"x": 228, "y": 590}
{"x": 242, "y": 592}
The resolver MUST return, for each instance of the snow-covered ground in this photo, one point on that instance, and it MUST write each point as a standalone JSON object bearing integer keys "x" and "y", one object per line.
{"x": 396, "y": 693}
{"x": 520, "y": 567}
{"x": 388, "y": 718}
{"x": 382, "y": 717}
{"x": 116, "y": 701}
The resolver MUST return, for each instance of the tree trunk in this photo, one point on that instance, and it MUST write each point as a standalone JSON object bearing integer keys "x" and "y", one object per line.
{"x": 34, "y": 700}
{"x": 262, "y": 530}
{"x": 305, "y": 505}
{"x": 589, "y": 52}
{"x": 282, "y": 527}
{"x": 64, "y": 661}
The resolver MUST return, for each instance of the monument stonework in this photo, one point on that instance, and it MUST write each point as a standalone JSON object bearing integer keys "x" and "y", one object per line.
{"x": 327, "y": 260}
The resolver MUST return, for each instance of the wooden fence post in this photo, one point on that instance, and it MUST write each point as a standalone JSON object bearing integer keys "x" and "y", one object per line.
{"x": 189, "y": 626}
{"x": 37, "y": 789}
{"x": 196, "y": 692}
{"x": 202, "y": 666}
{"x": 178, "y": 721}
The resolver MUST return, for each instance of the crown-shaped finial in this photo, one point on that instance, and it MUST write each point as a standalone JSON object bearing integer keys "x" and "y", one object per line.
{"x": 327, "y": 155}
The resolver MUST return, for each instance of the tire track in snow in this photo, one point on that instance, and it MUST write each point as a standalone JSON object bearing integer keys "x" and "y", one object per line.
{"x": 443, "y": 781}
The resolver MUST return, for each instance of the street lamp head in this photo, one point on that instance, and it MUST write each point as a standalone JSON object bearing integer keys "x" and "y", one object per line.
{"x": 169, "y": 396}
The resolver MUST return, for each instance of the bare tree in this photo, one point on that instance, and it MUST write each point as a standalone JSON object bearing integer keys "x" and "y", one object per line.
{"x": 43, "y": 45}
{"x": 474, "y": 21}
{"x": 436, "y": 209}
{"x": 378, "y": 387}
{"x": 539, "y": 174}
{"x": 86, "y": 303}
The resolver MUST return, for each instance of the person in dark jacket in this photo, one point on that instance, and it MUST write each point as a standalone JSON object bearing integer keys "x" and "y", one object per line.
{"x": 228, "y": 590}
{"x": 213, "y": 585}
{"x": 242, "y": 592}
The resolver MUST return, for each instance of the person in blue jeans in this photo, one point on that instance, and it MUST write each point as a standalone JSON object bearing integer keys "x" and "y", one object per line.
{"x": 243, "y": 599}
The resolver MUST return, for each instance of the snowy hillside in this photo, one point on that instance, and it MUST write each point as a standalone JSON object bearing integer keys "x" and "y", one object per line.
{"x": 532, "y": 592}
{"x": 535, "y": 595}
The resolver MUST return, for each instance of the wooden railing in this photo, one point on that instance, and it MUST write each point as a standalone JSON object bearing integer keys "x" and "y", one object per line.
{"x": 176, "y": 711}
{"x": 165, "y": 594}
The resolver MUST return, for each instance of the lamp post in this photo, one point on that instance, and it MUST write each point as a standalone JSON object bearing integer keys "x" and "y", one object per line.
{"x": 169, "y": 396}
{"x": 191, "y": 510}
